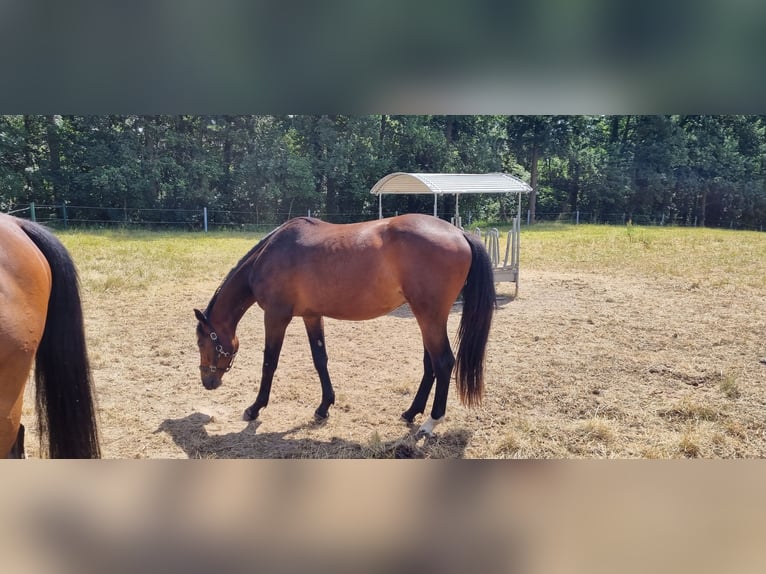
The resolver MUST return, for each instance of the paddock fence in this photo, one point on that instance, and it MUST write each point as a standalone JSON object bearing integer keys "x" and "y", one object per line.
{"x": 210, "y": 219}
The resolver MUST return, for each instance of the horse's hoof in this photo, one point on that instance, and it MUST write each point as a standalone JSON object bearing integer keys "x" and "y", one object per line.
{"x": 318, "y": 418}
{"x": 248, "y": 415}
{"x": 427, "y": 428}
{"x": 423, "y": 434}
{"x": 408, "y": 419}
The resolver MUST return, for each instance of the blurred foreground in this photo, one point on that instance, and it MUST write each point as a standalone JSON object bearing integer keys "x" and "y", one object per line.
{"x": 376, "y": 516}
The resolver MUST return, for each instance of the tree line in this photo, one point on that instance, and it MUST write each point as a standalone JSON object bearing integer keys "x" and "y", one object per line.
{"x": 683, "y": 169}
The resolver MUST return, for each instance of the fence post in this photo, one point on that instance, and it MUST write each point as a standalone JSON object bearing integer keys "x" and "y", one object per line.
{"x": 63, "y": 213}
{"x": 529, "y": 214}
{"x": 577, "y": 221}
{"x": 32, "y": 215}
{"x": 204, "y": 218}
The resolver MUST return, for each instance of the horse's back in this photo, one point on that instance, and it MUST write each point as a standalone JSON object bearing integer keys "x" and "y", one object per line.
{"x": 427, "y": 232}
{"x": 361, "y": 270}
{"x": 303, "y": 239}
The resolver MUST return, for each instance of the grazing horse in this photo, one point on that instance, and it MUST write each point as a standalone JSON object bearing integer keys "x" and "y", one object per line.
{"x": 41, "y": 321}
{"x": 312, "y": 269}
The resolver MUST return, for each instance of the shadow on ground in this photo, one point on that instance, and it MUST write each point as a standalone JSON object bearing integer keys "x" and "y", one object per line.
{"x": 192, "y": 436}
{"x": 404, "y": 312}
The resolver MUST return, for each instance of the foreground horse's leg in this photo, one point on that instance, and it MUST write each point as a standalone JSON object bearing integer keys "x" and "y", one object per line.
{"x": 17, "y": 450}
{"x": 421, "y": 397}
{"x": 275, "y": 335}
{"x": 315, "y": 331}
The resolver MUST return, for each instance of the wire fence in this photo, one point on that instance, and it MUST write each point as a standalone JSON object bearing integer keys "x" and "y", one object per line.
{"x": 662, "y": 219}
{"x": 203, "y": 219}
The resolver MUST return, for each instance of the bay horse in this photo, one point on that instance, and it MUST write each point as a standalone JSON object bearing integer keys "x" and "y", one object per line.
{"x": 41, "y": 321}
{"x": 312, "y": 269}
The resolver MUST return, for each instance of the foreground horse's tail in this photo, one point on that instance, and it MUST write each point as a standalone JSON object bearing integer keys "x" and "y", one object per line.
{"x": 63, "y": 386}
{"x": 478, "y": 307}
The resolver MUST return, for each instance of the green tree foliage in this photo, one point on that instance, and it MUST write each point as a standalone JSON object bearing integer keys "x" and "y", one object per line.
{"x": 704, "y": 170}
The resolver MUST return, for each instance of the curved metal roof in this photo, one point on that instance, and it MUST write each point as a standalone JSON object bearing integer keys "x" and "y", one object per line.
{"x": 458, "y": 183}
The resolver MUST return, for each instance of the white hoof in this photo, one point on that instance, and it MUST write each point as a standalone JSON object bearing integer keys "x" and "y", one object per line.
{"x": 427, "y": 428}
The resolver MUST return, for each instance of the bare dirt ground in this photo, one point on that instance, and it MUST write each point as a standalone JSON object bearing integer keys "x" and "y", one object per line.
{"x": 579, "y": 365}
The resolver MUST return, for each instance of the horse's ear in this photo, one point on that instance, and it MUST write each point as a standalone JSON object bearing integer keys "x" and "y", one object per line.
{"x": 200, "y": 316}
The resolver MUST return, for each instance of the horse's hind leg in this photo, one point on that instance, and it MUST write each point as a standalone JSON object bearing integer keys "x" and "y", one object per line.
{"x": 276, "y": 325}
{"x": 435, "y": 339}
{"x": 315, "y": 331}
{"x": 421, "y": 397}
{"x": 443, "y": 361}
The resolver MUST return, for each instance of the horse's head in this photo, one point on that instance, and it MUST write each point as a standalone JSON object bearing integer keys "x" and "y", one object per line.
{"x": 216, "y": 353}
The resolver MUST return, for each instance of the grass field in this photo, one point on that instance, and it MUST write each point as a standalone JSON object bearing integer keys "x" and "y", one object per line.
{"x": 624, "y": 342}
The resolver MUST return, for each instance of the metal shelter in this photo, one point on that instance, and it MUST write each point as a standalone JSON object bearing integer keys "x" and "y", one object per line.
{"x": 459, "y": 184}
{"x": 446, "y": 184}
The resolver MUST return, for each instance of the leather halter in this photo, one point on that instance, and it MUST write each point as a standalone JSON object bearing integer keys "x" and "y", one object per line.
{"x": 219, "y": 352}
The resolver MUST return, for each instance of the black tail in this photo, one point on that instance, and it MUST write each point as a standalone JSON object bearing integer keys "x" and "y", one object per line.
{"x": 63, "y": 385}
{"x": 478, "y": 306}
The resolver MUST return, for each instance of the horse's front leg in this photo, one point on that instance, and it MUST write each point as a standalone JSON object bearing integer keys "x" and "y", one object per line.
{"x": 276, "y": 325}
{"x": 315, "y": 331}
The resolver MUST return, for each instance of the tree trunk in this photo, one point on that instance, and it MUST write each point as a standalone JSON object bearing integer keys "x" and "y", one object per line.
{"x": 383, "y": 122}
{"x": 150, "y": 133}
{"x": 614, "y": 130}
{"x": 29, "y": 160}
{"x": 449, "y": 129}
{"x": 228, "y": 163}
{"x": 574, "y": 187}
{"x": 332, "y": 200}
{"x": 54, "y": 157}
{"x": 533, "y": 183}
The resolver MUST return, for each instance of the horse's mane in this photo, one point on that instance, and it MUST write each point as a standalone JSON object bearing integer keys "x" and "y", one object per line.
{"x": 254, "y": 251}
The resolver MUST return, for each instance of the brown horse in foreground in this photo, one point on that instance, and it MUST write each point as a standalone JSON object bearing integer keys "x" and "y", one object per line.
{"x": 41, "y": 320}
{"x": 312, "y": 269}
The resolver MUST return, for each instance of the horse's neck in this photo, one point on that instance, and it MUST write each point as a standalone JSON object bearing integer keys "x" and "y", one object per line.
{"x": 234, "y": 299}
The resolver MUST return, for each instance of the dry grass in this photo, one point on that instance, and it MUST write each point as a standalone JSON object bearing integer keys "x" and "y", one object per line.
{"x": 729, "y": 387}
{"x": 623, "y": 343}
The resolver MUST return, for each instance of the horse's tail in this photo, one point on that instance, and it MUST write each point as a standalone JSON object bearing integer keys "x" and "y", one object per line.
{"x": 478, "y": 306}
{"x": 63, "y": 386}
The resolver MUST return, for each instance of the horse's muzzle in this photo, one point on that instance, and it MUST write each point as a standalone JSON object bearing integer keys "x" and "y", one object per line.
{"x": 211, "y": 381}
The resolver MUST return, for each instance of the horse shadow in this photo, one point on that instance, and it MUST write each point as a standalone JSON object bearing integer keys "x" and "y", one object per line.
{"x": 191, "y": 435}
